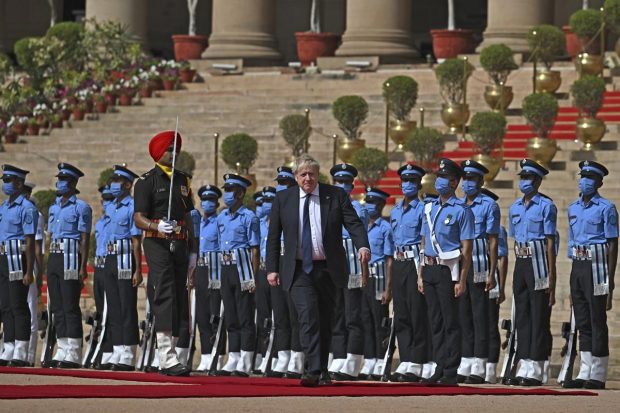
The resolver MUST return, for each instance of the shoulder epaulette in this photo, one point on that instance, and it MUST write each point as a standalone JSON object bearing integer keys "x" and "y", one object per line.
{"x": 545, "y": 196}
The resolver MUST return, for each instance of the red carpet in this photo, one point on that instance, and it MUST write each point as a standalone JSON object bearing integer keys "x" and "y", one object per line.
{"x": 202, "y": 386}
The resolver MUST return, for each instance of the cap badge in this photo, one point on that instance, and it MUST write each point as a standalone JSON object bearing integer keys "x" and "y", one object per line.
{"x": 409, "y": 167}
{"x": 586, "y": 163}
{"x": 468, "y": 162}
{"x": 343, "y": 166}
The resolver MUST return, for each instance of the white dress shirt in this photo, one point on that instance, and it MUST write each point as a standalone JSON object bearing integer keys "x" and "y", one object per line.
{"x": 318, "y": 252}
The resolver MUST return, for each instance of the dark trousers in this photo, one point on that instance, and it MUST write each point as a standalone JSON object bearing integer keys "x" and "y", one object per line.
{"x": 474, "y": 319}
{"x": 494, "y": 337}
{"x": 348, "y": 330}
{"x": 65, "y": 296}
{"x": 238, "y": 311}
{"x": 314, "y": 298}
{"x": 14, "y": 305}
{"x": 167, "y": 282}
{"x": 443, "y": 311}
{"x": 99, "y": 293}
{"x": 263, "y": 309}
{"x": 183, "y": 337}
{"x": 410, "y": 313}
{"x": 590, "y": 310}
{"x": 339, "y": 327}
{"x": 532, "y": 313}
{"x": 294, "y": 320}
{"x": 205, "y": 309}
{"x": 122, "y": 299}
{"x": 281, "y": 319}
{"x": 373, "y": 314}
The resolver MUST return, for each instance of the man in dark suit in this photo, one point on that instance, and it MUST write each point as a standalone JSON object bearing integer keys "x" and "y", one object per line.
{"x": 314, "y": 263}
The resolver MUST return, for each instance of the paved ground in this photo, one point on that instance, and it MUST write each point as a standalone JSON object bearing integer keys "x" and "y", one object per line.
{"x": 606, "y": 401}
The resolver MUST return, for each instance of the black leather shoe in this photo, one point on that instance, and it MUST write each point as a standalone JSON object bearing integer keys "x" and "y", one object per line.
{"x": 176, "y": 370}
{"x": 151, "y": 369}
{"x": 292, "y": 375}
{"x": 512, "y": 381}
{"x": 310, "y": 380}
{"x": 343, "y": 377}
{"x": 473, "y": 379}
{"x": 594, "y": 384}
{"x": 460, "y": 378}
{"x": 222, "y": 373}
{"x": 527, "y": 382}
{"x": 363, "y": 377}
{"x": 410, "y": 378}
{"x": 274, "y": 374}
{"x": 397, "y": 377}
{"x": 122, "y": 367}
{"x": 574, "y": 384}
{"x": 434, "y": 378}
{"x": 105, "y": 366}
{"x": 238, "y": 373}
{"x": 4, "y": 363}
{"x": 18, "y": 363}
{"x": 325, "y": 379}
{"x": 452, "y": 380}
{"x": 375, "y": 377}
{"x": 68, "y": 365}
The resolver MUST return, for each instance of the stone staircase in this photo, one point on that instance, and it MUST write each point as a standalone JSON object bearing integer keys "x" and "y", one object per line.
{"x": 256, "y": 101}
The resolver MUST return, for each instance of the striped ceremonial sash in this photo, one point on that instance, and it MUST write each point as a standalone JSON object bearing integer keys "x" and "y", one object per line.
{"x": 538, "y": 250}
{"x": 378, "y": 272}
{"x": 243, "y": 257}
{"x": 480, "y": 260}
{"x": 71, "y": 250}
{"x": 600, "y": 272}
{"x": 123, "y": 258}
{"x": 14, "y": 257}
{"x": 215, "y": 270}
{"x": 494, "y": 293}
{"x": 355, "y": 266}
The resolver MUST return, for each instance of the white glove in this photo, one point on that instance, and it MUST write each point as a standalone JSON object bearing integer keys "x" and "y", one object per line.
{"x": 164, "y": 227}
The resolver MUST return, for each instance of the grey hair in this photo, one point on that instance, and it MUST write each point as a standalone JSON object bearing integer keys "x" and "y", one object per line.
{"x": 306, "y": 161}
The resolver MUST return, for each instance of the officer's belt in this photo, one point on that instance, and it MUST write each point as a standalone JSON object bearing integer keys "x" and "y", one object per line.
{"x": 262, "y": 265}
{"x": 406, "y": 252}
{"x": 178, "y": 232}
{"x": 4, "y": 247}
{"x": 228, "y": 257}
{"x": 99, "y": 261}
{"x": 523, "y": 250}
{"x": 581, "y": 253}
{"x": 112, "y": 247}
{"x": 431, "y": 261}
{"x": 57, "y": 246}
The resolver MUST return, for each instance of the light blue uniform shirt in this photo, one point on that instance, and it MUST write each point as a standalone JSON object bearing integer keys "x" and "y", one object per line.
{"x": 196, "y": 221}
{"x": 100, "y": 235}
{"x": 486, "y": 216}
{"x": 121, "y": 225}
{"x": 264, "y": 229}
{"x": 535, "y": 222}
{"x": 454, "y": 222}
{"x": 69, "y": 220}
{"x": 591, "y": 223}
{"x": 239, "y": 230}
{"x": 208, "y": 234}
{"x": 380, "y": 239}
{"x": 18, "y": 219}
{"x": 361, "y": 213}
{"x": 406, "y": 223}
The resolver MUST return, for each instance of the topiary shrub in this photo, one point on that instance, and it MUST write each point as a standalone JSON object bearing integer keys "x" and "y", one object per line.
{"x": 540, "y": 110}
{"x": 350, "y": 112}
{"x": 426, "y": 144}
{"x": 44, "y": 199}
{"x": 586, "y": 23}
{"x": 612, "y": 15}
{"x": 371, "y": 164}
{"x": 487, "y": 130}
{"x": 72, "y": 36}
{"x": 401, "y": 94}
{"x": 588, "y": 92}
{"x": 239, "y": 148}
{"x": 452, "y": 76}
{"x": 105, "y": 176}
{"x": 24, "y": 50}
{"x": 295, "y": 131}
{"x": 497, "y": 60}
{"x": 5, "y": 67}
{"x": 185, "y": 162}
{"x": 546, "y": 43}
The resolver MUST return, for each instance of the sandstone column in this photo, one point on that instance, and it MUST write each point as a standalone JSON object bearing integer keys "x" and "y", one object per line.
{"x": 133, "y": 13}
{"x": 378, "y": 28}
{"x": 508, "y": 21}
{"x": 244, "y": 29}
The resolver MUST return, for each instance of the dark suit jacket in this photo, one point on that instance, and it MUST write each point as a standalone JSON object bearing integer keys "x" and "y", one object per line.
{"x": 336, "y": 211}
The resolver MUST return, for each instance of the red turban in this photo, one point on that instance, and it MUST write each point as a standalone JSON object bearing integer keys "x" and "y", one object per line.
{"x": 162, "y": 141}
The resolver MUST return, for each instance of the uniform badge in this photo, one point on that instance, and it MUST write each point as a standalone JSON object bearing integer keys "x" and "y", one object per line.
{"x": 468, "y": 162}
{"x": 343, "y": 166}
{"x": 586, "y": 163}
{"x": 447, "y": 220}
{"x": 184, "y": 190}
{"x": 409, "y": 167}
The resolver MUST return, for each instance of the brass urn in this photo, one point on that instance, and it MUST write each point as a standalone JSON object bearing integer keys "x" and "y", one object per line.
{"x": 289, "y": 161}
{"x": 428, "y": 183}
{"x": 400, "y": 131}
{"x": 542, "y": 150}
{"x": 588, "y": 64}
{"x": 347, "y": 146}
{"x": 455, "y": 116}
{"x": 548, "y": 80}
{"x": 498, "y": 97}
{"x": 590, "y": 131}
{"x": 492, "y": 163}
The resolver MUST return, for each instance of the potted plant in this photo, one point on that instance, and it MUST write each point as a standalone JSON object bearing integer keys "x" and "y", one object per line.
{"x": 451, "y": 42}
{"x": 41, "y": 112}
{"x": 127, "y": 90}
{"x": 19, "y": 124}
{"x": 453, "y": 75}
{"x": 587, "y": 24}
{"x": 33, "y": 127}
{"x": 572, "y": 43}
{"x": 588, "y": 93}
{"x": 611, "y": 15}
{"x": 540, "y": 111}
{"x": 239, "y": 152}
{"x": 546, "y": 43}
{"x": 10, "y": 135}
{"x": 101, "y": 106}
{"x": 110, "y": 93}
{"x": 314, "y": 43}
{"x": 371, "y": 164}
{"x": 350, "y": 112}
{"x": 400, "y": 94}
{"x": 487, "y": 131}
{"x": 189, "y": 46}
{"x": 56, "y": 120}
{"x": 170, "y": 76}
{"x": 497, "y": 60}
{"x": 186, "y": 72}
{"x": 426, "y": 145}
{"x": 79, "y": 111}
{"x": 295, "y": 130}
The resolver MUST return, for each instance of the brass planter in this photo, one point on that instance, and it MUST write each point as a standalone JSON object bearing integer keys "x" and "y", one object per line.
{"x": 455, "y": 116}
{"x": 588, "y": 64}
{"x": 428, "y": 184}
{"x": 548, "y": 80}
{"x": 493, "y": 164}
{"x": 252, "y": 179}
{"x": 590, "y": 131}
{"x": 400, "y": 131}
{"x": 542, "y": 150}
{"x": 289, "y": 161}
{"x": 347, "y": 146}
{"x": 493, "y": 94}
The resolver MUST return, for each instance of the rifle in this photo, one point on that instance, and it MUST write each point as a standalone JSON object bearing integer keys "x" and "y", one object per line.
{"x": 218, "y": 340}
{"x": 569, "y": 350}
{"x": 269, "y": 326}
{"x": 147, "y": 342}
{"x": 510, "y": 345}
{"x": 92, "y": 340}
{"x": 48, "y": 335}
{"x": 192, "y": 327}
{"x": 390, "y": 349}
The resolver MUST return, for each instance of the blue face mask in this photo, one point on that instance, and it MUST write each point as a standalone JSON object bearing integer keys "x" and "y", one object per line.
{"x": 229, "y": 198}
{"x": 373, "y": 210}
{"x": 442, "y": 186}
{"x": 347, "y": 187}
{"x": 587, "y": 186}
{"x": 259, "y": 211}
{"x": 8, "y": 188}
{"x": 470, "y": 187}
{"x": 281, "y": 187}
{"x": 116, "y": 188}
{"x": 526, "y": 186}
{"x": 208, "y": 207}
{"x": 267, "y": 209}
{"x": 410, "y": 189}
{"x": 62, "y": 187}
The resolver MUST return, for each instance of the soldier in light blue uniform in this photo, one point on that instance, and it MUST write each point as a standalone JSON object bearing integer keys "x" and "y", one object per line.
{"x": 474, "y": 303}
{"x": 348, "y": 331}
{"x": 593, "y": 247}
{"x": 410, "y": 316}
{"x": 69, "y": 225}
{"x": 18, "y": 225}
{"x": 207, "y": 287}
{"x": 532, "y": 224}
{"x": 448, "y": 234}
{"x": 378, "y": 292}
{"x": 239, "y": 239}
